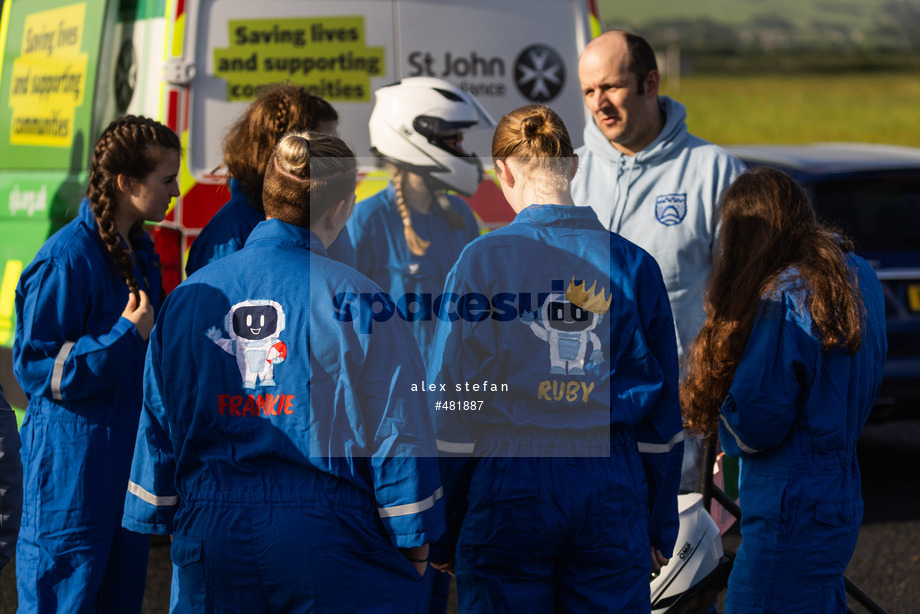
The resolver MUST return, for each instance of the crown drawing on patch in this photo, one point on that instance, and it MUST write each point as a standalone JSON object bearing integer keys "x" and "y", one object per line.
{"x": 588, "y": 299}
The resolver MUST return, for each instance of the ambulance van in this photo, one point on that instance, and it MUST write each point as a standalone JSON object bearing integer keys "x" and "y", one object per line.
{"x": 68, "y": 68}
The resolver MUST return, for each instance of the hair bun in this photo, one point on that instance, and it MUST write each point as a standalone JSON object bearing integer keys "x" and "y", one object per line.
{"x": 531, "y": 126}
{"x": 293, "y": 153}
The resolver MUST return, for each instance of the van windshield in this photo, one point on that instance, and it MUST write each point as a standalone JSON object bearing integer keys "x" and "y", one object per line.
{"x": 880, "y": 212}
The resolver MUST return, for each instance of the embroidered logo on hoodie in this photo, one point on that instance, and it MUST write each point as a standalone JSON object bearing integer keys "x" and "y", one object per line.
{"x": 670, "y": 209}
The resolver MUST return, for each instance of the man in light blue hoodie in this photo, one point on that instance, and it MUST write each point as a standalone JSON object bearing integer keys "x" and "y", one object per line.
{"x": 649, "y": 180}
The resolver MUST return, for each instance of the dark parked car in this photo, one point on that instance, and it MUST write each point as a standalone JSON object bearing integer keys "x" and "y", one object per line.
{"x": 871, "y": 192}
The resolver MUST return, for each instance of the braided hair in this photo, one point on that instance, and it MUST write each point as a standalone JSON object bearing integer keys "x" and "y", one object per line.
{"x": 417, "y": 245}
{"x": 279, "y": 109}
{"x": 130, "y": 146}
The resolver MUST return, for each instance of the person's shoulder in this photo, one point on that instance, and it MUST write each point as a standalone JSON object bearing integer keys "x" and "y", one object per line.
{"x": 858, "y": 262}
{"x": 237, "y": 211}
{"x": 72, "y": 243}
{"x": 485, "y": 246}
{"x": 498, "y": 236}
{"x": 787, "y": 298}
{"x": 372, "y": 210}
{"x": 701, "y": 147}
{"x": 458, "y": 204}
{"x": 70, "y": 255}
{"x": 340, "y": 276}
{"x": 373, "y": 203}
{"x": 629, "y": 251}
{"x": 866, "y": 276}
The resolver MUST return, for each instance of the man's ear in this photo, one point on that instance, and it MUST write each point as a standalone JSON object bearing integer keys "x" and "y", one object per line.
{"x": 652, "y": 81}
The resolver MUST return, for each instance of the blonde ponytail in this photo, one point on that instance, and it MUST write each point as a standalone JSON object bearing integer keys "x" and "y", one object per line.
{"x": 417, "y": 245}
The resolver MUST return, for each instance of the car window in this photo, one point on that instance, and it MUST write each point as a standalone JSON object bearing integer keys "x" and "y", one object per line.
{"x": 880, "y": 213}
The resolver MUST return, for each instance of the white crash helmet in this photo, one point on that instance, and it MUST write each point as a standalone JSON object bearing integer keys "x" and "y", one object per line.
{"x": 408, "y": 121}
{"x": 699, "y": 568}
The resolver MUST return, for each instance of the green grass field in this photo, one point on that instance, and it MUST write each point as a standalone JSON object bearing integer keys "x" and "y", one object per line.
{"x": 803, "y": 13}
{"x": 869, "y": 107}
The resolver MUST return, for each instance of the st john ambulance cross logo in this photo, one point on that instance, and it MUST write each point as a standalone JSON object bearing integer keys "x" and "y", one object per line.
{"x": 539, "y": 73}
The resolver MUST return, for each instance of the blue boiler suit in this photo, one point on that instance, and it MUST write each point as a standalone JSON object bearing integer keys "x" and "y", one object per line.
{"x": 227, "y": 231}
{"x": 794, "y": 413}
{"x": 80, "y": 364}
{"x": 381, "y": 253}
{"x": 292, "y": 495}
{"x": 558, "y": 485}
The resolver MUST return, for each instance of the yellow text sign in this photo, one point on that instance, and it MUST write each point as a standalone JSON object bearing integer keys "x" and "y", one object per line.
{"x": 48, "y": 78}
{"x": 326, "y": 55}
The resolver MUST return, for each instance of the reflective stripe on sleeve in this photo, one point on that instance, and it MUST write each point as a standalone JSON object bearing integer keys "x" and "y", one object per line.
{"x": 660, "y": 448}
{"x": 411, "y": 508}
{"x": 151, "y": 498}
{"x": 456, "y": 448}
{"x": 737, "y": 439}
{"x": 57, "y": 374}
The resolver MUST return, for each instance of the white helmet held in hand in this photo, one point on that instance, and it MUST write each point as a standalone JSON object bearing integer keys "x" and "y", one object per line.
{"x": 699, "y": 569}
{"x": 410, "y": 121}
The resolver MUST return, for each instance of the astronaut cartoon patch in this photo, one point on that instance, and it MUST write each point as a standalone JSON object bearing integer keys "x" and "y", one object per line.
{"x": 254, "y": 327}
{"x": 671, "y": 209}
{"x": 568, "y": 322}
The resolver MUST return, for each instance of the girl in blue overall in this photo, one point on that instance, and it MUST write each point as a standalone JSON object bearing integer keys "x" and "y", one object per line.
{"x": 84, "y": 308}
{"x": 409, "y": 235}
{"x": 278, "y": 109}
{"x": 787, "y": 367}
{"x": 282, "y": 447}
{"x": 559, "y": 429}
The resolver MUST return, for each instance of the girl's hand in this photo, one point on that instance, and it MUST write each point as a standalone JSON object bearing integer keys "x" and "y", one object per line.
{"x": 418, "y": 556}
{"x": 445, "y": 568}
{"x": 658, "y": 560}
{"x": 140, "y": 313}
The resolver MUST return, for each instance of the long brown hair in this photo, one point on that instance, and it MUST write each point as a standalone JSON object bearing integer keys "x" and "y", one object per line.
{"x": 129, "y": 146}
{"x": 770, "y": 236}
{"x": 279, "y": 109}
{"x": 307, "y": 173}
